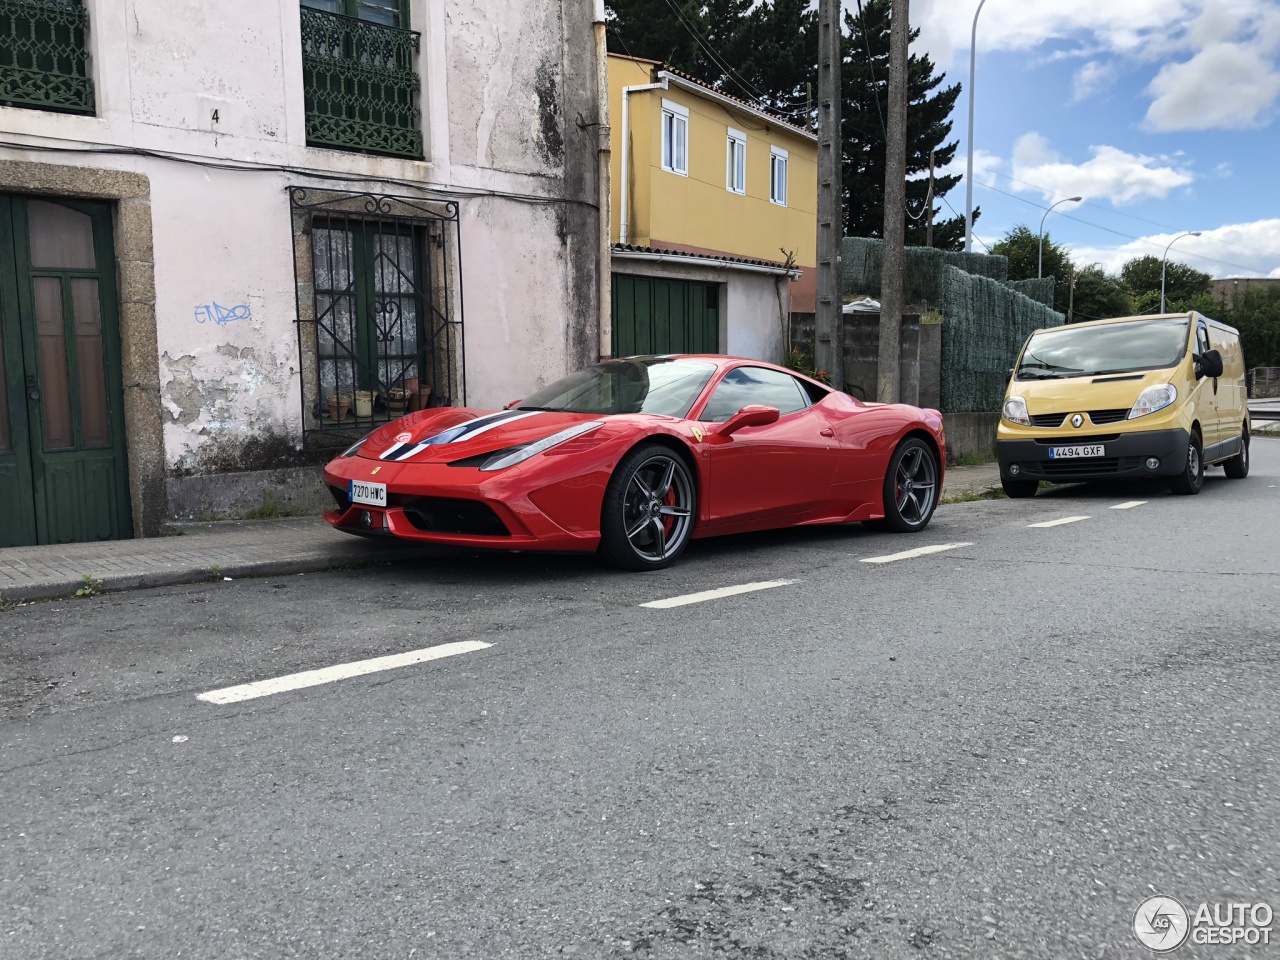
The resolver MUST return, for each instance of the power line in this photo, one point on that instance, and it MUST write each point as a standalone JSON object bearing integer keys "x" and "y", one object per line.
{"x": 944, "y": 199}
{"x": 871, "y": 67}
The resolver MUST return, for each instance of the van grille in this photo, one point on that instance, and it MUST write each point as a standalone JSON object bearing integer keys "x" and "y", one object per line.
{"x": 1047, "y": 419}
{"x": 1050, "y": 469}
{"x": 1100, "y": 417}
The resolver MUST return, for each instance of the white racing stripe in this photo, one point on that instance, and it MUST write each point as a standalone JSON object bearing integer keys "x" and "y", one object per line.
{"x": 917, "y": 552}
{"x": 312, "y": 678}
{"x": 715, "y": 594}
{"x": 1128, "y": 505}
{"x": 1057, "y": 523}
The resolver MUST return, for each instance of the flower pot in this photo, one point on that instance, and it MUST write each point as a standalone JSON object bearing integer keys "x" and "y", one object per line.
{"x": 397, "y": 401}
{"x": 420, "y": 399}
{"x": 364, "y": 403}
{"x": 339, "y": 406}
{"x": 408, "y": 384}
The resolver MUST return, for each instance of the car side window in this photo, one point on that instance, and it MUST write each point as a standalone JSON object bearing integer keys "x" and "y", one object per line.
{"x": 746, "y": 385}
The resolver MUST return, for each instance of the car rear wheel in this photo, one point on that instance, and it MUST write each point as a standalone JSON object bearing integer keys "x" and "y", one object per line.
{"x": 1191, "y": 479}
{"x": 1237, "y": 468}
{"x": 1019, "y": 489}
{"x": 649, "y": 509}
{"x": 910, "y": 487}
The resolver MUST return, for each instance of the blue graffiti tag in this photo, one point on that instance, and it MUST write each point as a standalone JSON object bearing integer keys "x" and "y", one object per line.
{"x": 220, "y": 314}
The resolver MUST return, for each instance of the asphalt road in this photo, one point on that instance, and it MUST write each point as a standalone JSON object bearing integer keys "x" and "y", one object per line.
{"x": 994, "y": 751}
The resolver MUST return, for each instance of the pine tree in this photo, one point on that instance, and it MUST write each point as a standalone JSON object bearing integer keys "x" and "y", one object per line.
{"x": 865, "y": 108}
{"x": 653, "y": 29}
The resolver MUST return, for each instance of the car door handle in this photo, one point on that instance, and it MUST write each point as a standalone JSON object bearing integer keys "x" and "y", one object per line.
{"x": 827, "y": 432}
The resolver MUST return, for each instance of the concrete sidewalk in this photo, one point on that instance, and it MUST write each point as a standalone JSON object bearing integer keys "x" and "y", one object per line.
{"x": 244, "y": 548}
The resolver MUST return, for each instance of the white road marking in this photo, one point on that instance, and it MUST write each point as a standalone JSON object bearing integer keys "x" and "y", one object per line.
{"x": 1128, "y": 505}
{"x": 312, "y": 678}
{"x": 917, "y": 552}
{"x": 715, "y": 594}
{"x": 1057, "y": 523}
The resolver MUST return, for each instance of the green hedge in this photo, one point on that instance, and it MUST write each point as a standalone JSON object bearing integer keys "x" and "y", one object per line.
{"x": 926, "y": 269}
{"x": 985, "y": 325}
{"x": 1039, "y": 289}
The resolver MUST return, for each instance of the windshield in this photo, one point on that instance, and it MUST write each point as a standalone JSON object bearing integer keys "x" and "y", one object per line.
{"x": 648, "y": 385}
{"x": 1113, "y": 348}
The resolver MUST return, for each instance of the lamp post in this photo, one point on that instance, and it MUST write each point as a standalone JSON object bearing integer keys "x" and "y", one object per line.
{"x": 1040, "y": 262}
{"x": 1165, "y": 262}
{"x": 968, "y": 176}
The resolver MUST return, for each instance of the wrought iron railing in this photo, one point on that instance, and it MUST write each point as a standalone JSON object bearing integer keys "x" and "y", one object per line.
{"x": 379, "y": 310}
{"x": 44, "y": 61}
{"x": 361, "y": 85}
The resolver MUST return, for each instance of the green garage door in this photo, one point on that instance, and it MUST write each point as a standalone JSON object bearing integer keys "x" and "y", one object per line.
{"x": 63, "y": 474}
{"x": 654, "y": 316}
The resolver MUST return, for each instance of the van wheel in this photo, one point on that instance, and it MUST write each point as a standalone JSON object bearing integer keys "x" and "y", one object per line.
{"x": 1237, "y": 468}
{"x": 1020, "y": 489}
{"x": 1191, "y": 479}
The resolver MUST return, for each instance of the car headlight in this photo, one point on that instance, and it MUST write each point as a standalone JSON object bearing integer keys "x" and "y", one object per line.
{"x": 1015, "y": 411}
{"x": 1153, "y": 399}
{"x": 352, "y": 450}
{"x": 521, "y": 454}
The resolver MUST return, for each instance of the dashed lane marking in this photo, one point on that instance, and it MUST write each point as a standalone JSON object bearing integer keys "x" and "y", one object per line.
{"x": 715, "y": 594}
{"x": 1128, "y": 505}
{"x": 1057, "y": 523}
{"x": 313, "y": 678}
{"x": 917, "y": 552}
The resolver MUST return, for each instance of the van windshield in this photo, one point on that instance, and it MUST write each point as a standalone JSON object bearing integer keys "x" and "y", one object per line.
{"x": 1113, "y": 348}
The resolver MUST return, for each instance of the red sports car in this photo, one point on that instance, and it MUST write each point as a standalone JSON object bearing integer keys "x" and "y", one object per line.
{"x": 636, "y": 457}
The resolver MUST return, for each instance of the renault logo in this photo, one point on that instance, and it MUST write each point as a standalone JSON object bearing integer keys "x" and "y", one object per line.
{"x": 1077, "y": 421}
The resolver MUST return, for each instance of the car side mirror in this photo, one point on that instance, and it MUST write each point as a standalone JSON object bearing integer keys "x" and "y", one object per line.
{"x": 752, "y": 415}
{"x": 1209, "y": 364}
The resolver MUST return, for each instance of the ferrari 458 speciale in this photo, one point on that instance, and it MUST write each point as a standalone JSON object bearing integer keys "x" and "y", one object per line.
{"x": 634, "y": 458}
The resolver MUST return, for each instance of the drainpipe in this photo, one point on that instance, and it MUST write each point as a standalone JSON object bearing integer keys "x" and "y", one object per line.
{"x": 626, "y": 150}
{"x": 605, "y": 313}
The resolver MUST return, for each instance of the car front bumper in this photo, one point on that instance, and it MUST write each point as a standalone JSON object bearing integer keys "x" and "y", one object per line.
{"x": 1126, "y": 457}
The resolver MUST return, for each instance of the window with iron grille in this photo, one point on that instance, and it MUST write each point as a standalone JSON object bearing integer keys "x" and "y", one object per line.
{"x": 44, "y": 61}
{"x": 381, "y": 334}
{"x": 359, "y": 65}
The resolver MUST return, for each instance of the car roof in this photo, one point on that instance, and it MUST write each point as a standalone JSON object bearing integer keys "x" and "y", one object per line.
{"x": 723, "y": 362}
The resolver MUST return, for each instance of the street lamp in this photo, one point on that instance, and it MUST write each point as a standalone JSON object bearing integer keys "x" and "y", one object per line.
{"x": 1040, "y": 263}
{"x": 968, "y": 176}
{"x": 1165, "y": 261}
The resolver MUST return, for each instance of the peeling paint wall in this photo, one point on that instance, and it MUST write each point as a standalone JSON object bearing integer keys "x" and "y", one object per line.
{"x": 508, "y": 112}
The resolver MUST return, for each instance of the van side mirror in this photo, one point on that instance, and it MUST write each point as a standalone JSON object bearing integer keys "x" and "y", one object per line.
{"x": 1209, "y": 364}
{"x": 752, "y": 415}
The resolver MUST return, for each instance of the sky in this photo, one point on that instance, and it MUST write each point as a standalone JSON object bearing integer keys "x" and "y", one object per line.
{"x": 1163, "y": 114}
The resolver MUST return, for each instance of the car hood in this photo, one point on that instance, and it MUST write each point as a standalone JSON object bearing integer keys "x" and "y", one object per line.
{"x": 444, "y": 436}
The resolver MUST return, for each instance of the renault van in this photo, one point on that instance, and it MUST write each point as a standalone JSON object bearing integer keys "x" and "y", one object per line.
{"x": 1156, "y": 396}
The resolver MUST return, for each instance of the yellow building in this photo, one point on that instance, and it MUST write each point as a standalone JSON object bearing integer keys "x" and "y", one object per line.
{"x": 713, "y": 216}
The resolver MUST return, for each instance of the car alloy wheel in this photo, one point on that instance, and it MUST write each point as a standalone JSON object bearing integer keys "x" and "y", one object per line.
{"x": 649, "y": 509}
{"x": 911, "y": 487}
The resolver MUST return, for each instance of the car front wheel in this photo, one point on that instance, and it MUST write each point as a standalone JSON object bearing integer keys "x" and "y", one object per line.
{"x": 649, "y": 509}
{"x": 1191, "y": 479}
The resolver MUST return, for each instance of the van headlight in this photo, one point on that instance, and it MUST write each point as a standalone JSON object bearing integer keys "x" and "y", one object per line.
{"x": 1153, "y": 399}
{"x": 1015, "y": 411}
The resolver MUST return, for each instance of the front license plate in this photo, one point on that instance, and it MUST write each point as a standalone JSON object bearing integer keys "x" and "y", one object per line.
{"x": 370, "y": 494}
{"x": 1088, "y": 450}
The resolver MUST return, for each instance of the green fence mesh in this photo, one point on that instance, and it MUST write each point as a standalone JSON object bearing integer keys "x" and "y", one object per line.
{"x": 1039, "y": 289}
{"x": 925, "y": 269}
{"x": 984, "y": 326}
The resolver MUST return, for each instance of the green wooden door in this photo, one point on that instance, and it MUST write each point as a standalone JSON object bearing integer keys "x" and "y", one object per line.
{"x": 63, "y": 470}
{"x": 656, "y": 316}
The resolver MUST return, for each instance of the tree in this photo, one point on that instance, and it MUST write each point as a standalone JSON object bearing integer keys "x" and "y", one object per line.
{"x": 1098, "y": 295}
{"x": 1256, "y": 314}
{"x": 864, "y": 109}
{"x": 1022, "y": 247}
{"x": 1182, "y": 283}
{"x": 652, "y": 29}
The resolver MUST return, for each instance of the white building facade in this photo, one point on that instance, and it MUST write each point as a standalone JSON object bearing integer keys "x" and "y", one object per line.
{"x": 239, "y": 233}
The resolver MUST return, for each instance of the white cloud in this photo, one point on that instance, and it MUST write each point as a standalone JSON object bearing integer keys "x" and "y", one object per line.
{"x": 1224, "y": 86}
{"x": 1091, "y": 78}
{"x": 1111, "y": 174}
{"x": 985, "y": 167}
{"x": 1238, "y": 249}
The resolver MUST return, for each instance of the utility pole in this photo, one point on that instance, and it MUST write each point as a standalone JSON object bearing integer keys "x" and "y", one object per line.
{"x": 895, "y": 208}
{"x": 828, "y": 348}
{"x": 928, "y": 230}
{"x": 1071, "y": 295}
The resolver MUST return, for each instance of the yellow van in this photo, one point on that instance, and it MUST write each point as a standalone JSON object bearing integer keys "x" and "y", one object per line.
{"x": 1156, "y": 396}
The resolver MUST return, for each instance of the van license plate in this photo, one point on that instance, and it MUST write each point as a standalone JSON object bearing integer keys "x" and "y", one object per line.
{"x": 1090, "y": 450}
{"x": 371, "y": 494}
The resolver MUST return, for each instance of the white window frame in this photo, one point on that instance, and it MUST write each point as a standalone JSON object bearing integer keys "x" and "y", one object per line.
{"x": 778, "y": 160}
{"x": 675, "y": 138}
{"x": 736, "y": 162}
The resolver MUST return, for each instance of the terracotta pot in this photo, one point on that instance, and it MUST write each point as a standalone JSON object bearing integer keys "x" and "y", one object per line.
{"x": 409, "y": 384}
{"x": 420, "y": 399}
{"x": 339, "y": 407}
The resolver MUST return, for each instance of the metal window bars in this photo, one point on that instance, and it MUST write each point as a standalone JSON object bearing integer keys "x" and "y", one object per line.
{"x": 361, "y": 84}
{"x": 379, "y": 310}
{"x": 44, "y": 60}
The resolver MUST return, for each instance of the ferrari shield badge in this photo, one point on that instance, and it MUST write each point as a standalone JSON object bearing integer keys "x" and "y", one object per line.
{"x": 697, "y": 433}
